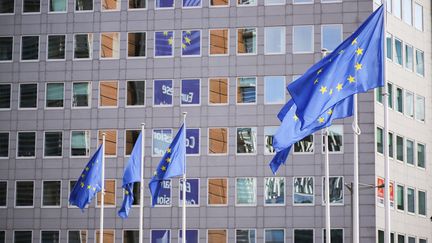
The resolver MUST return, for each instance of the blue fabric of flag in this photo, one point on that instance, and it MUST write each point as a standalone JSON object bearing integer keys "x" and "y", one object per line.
{"x": 172, "y": 164}
{"x": 89, "y": 183}
{"x": 191, "y": 43}
{"x": 355, "y": 66}
{"x": 191, "y": 3}
{"x": 132, "y": 174}
{"x": 279, "y": 159}
{"x": 164, "y": 3}
{"x": 164, "y": 42}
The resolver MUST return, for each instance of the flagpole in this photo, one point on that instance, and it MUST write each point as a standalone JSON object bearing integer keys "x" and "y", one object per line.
{"x": 355, "y": 188}
{"x": 102, "y": 191}
{"x": 141, "y": 213}
{"x": 184, "y": 183}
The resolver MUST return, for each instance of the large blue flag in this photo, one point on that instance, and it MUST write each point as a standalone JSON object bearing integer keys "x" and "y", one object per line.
{"x": 354, "y": 66}
{"x": 164, "y": 42}
{"x": 131, "y": 175}
{"x": 191, "y": 43}
{"x": 172, "y": 164}
{"x": 89, "y": 183}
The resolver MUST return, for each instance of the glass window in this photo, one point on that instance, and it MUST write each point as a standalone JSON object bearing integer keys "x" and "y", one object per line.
{"x": 410, "y": 152}
{"x": 246, "y": 90}
{"x": 77, "y": 236}
{"x": 108, "y": 93}
{"x": 245, "y": 236}
{"x": 28, "y": 96}
{"x": 158, "y": 236}
{"x": 4, "y": 144}
{"x": 131, "y": 138}
{"x": 193, "y": 141}
{"x": 81, "y": 94}
{"x": 246, "y": 140}
{"x": 246, "y": 40}
{"x": 217, "y": 189}
{"x": 246, "y": 2}
{"x": 409, "y": 57}
{"x": 302, "y": 1}
{"x": 110, "y": 194}
{"x": 407, "y": 11}
{"x": 162, "y": 92}
{"x": 26, "y": 144}
{"x": 331, "y": 36}
{"x": 399, "y": 148}
{"x": 192, "y": 236}
{"x": 274, "y": 90}
{"x": 397, "y": 8}
{"x": 5, "y": 96}
{"x": 58, "y": 5}
{"x": 418, "y": 16}
{"x": 216, "y": 236}
{"x": 409, "y": 104}
{"x": 274, "y": 236}
{"x": 398, "y": 51}
{"x": 110, "y": 44}
{"x": 135, "y": 93}
{"x": 191, "y": 4}
{"x": 335, "y": 138}
{"x": 137, "y": 4}
{"x": 411, "y": 200}
{"x": 421, "y": 155}
{"x": 54, "y": 95}
{"x": 110, "y": 141}
{"x": 130, "y": 236}
{"x": 422, "y": 241}
{"x": 380, "y": 236}
{"x": 399, "y": 100}
{"x": 6, "y": 47}
{"x": 83, "y": 46}
{"x": 268, "y": 140}
{"x": 274, "y": 40}
{"x": 218, "y": 91}
{"x": 3, "y": 195}
{"x": 336, "y": 236}
{"x": 53, "y": 144}
{"x": 80, "y": 143}
{"x": 379, "y": 140}
{"x": 108, "y": 236}
{"x": 306, "y": 145}
{"x": 274, "y": 190}
{"x": 3, "y": 236}
{"x": 136, "y": 192}
{"x": 219, "y": 3}
{"x": 336, "y": 190}
{"x": 24, "y": 193}
{"x": 303, "y": 190}
{"x": 7, "y": 7}
{"x": 303, "y": 235}
{"x": 161, "y": 140}
{"x": 71, "y": 187}
{"x": 420, "y": 108}
{"x": 274, "y": 2}
{"x": 246, "y": 191}
{"x": 29, "y": 48}
{"x": 136, "y": 41}
{"x": 219, "y": 40}
{"x": 56, "y": 46}
{"x": 83, "y": 5}
{"x": 303, "y": 39}
{"x": 218, "y": 140}
{"x": 192, "y": 192}
{"x": 400, "y": 198}
{"x": 191, "y": 42}
{"x": 164, "y": 4}
{"x": 378, "y": 94}
{"x": 51, "y": 193}
{"x": 422, "y": 203}
{"x": 419, "y": 58}
{"x": 31, "y": 6}
{"x": 411, "y": 239}
{"x": 22, "y": 236}
{"x": 389, "y": 46}
{"x": 390, "y": 95}
{"x": 190, "y": 92}
{"x": 110, "y": 5}
{"x": 401, "y": 238}
{"x": 391, "y": 145}
{"x": 164, "y": 43}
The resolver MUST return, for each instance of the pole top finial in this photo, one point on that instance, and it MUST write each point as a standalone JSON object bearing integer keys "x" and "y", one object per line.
{"x": 142, "y": 123}
{"x": 184, "y": 113}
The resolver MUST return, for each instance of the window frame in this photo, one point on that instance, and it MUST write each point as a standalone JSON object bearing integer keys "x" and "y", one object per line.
{"x": 138, "y": 9}
{"x": 323, "y": 188}
{"x": 306, "y": 153}
{"x": 302, "y": 3}
{"x": 181, "y": 90}
{"x": 100, "y": 93}
{"x": 154, "y": 96}
{"x": 47, "y": 43}
{"x": 118, "y": 9}
{"x": 294, "y": 204}
{"x": 255, "y": 192}
{"x": 403, "y": 148}
{"x": 219, "y": 6}
{"x": 135, "y": 32}
{"x": 116, "y": 142}
{"x": 151, "y": 231}
{"x": 9, "y": 145}
{"x": 180, "y": 203}
{"x": 105, "y": 229}
{"x": 10, "y": 97}
{"x": 302, "y": 228}
{"x": 152, "y": 144}
{"x": 312, "y": 35}
{"x": 237, "y": 79}
{"x": 19, "y": 97}
{"x": 89, "y": 95}
{"x": 274, "y": 4}
{"x": 417, "y": 143}
{"x": 13, "y": 43}
{"x": 284, "y": 232}
{"x": 31, "y": 231}
{"x": 406, "y": 14}
{"x": 17, "y": 143}
{"x": 323, "y": 233}
{"x": 237, "y": 37}
{"x": 30, "y": 13}
{"x": 21, "y": 46}
{"x": 413, "y": 150}
{"x": 283, "y": 52}
{"x": 125, "y": 141}
{"x": 126, "y": 92}
{"x": 418, "y": 203}
{"x": 90, "y": 36}
{"x": 389, "y": 36}
{"x": 200, "y": 40}
{"x": 227, "y": 142}
{"x": 415, "y": 200}
{"x": 84, "y": 11}
{"x": 415, "y": 4}
{"x": 415, "y": 62}
{"x": 173, "y": 47}
{"x": 208, "y": 90}
{"x": 284, "y": 193}
{"x": 199, "y": 142}
{"x": 15, "y": 194}
{"x": 405, "y": 47}
{"x": 58, "y": 12}
{"x": 119, "y": 42}
{"x": 227, "y": 192}
{"x": 403, "y": 198}
{"x": 70, "y": 144}
{"x": 395, "y": 57}
{"x": 7, "y": 193}
{"x": 13, "y": 12}
{"x": 42, "y": 194}
{"x": 256, "y": 140}
{"x": 284, "y": 92}
{"x": 79, "y": 230}
{"x": 342, "y": 151}
{"x": 115, "y": 196}
{"x": 325, "y": 25}
{"x": 415, "y": 108}
{"x": 46, "y": 96}
{"x": 264, "y": 139}
{"x": 165, "y": 8}
{"x": 394, "y": 9}
{"x": 247, "y": 5}
{"x": 396, "y": 105}
{"x": 248, "y": 229}
{"x": 406, "y": 110}
{"x": 44, "y": 144}
{"x": 228, "y": 39}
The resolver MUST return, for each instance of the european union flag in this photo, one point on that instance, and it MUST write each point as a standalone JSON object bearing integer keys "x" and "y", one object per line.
{"x": 164, "y": 42}
{"x": 172, "y": 164}
{"x": 89, "y": 183}
{"x": 191, "y": 43}
{"x": 131, "y": 175}
{"x": 354, "y": 66}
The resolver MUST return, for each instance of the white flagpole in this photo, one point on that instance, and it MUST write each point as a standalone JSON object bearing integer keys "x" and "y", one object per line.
{"x": 184, "y": 183}
{"x": 355, "y": 186}
{"x": 102, "y": 191}
{"x": 141, "y": 214}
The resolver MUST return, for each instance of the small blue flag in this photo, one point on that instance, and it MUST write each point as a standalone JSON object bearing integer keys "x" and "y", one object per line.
{"x": 164, "y": 42}
{"x": 191, "y": 43}
{"x": 355, "y": 66}
{"x": 131, "y": 175}
{"x": 89, "y": 183}
{"x": 172, "y": 164}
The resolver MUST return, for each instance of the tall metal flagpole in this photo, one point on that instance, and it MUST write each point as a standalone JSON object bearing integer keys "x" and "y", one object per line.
{"x": 141, "y": 214}
{"x": 102, "y": 191}
{"x": 355, "y": 185}
{"x": 184, "y": 184}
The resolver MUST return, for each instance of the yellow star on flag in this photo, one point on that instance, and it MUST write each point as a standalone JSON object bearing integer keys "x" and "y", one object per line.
{"x": 330, "y": 112}
{"x": 168, "y": 150}
{"x": 188, "y": 32}
{"x": 323, "y": 89}
{"x": 351, "y": 79}
{"x": 358, "y": 66}
{"x": 187, "y": 40}
{"x": 354, "y": 41}
{"x": 94, "y": 188}
{"x": 82, "y": 184}
{"x": 295, "y": 117}
{"x": 316, "y": 81}
{"x": 341, "y": 51}
{"x": 83, "y": 175}
{"x": 165, "y": 33}
{"x": 339, "y": 87}
{"x": 359, "y": 51}
{"x": 168, "y": 159}
{"x": 183, "y": 46}
{"x": 87, "y": 168}
{"x": 321, "y": 119}
{"x": 89, "y": 187}
{"x": 331, "y": 92}
{"x": 170, "y": 41}
{"x": 319, "y": 71}
{"x": 163, "y": 168}
{"x": 126, "y": 192}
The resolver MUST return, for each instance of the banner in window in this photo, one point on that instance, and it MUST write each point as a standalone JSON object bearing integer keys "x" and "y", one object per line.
{"x": 190, "y": 92}
{"x": 380, "y": 192}
{"x": 164, "y": 197}
{"x": 192, "y": 141}
{"x": 162, "y": 92}
{"x": 160, "y": 236}
{"x": 192, "y": 192}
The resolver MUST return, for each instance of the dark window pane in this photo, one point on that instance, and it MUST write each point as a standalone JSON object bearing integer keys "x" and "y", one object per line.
{"x": 50, "y": 237}
{"x": 56, "y": 46}
{"x": 80, "y": 95}
{"x": 5, "y": 96}
{"x": 136, "y": 193}
{"x": 28, "y": 96}
{"x": 2, "y": 236}
{"x": 4, "y": 144}
{"x": 131, "y": 137}
{"x": 80, "y": 143}
{"x": 130, "y": 236}
{"x": 54, "y": 95}
{"x": 83, "y": 5}
{"x": 303, "y": 236}
{"x": 22, "y": 236}
{"x": 7, "y": 6}
{"x": 135, "y": 93}
{"x": 336, "y": 236}
{"x": 6, "y": 47}
{"x": 31, "y": 6}
{"x": 3, "y": 195}
{"x": 245, "y": 236}
{"x": 53, "y": 144}
{"x": 24, "y": 193}
{"x": 30, "y": 48}
{"x": 77, "y": 236}
{"x": 137, "y": 3}
{"x": 136, "y": 43}
{"x": 83, "y": 46}
{"x": 51, "y": 193}
{"x": 26, "y": 144}
{"x": 380, "y": 236}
